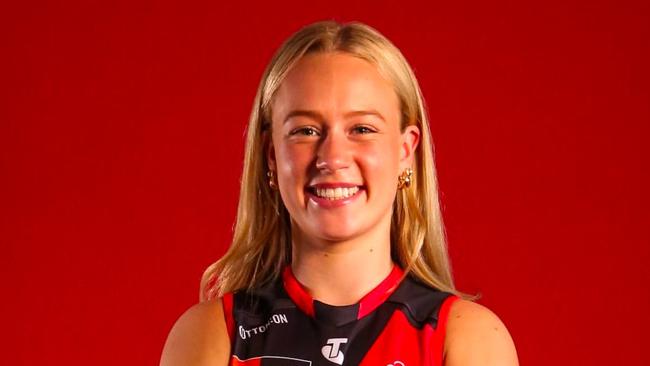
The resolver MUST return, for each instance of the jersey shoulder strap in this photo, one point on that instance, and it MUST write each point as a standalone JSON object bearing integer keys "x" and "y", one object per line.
{"x": 421, "y": 304}
{"x": 254, "y": 305}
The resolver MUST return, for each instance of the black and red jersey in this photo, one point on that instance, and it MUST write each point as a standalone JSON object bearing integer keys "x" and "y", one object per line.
{"x": 401, "y": 322}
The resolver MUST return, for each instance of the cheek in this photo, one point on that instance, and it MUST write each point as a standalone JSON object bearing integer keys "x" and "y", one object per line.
{"x": 380, "y": 161}
{"x": 293, "y": 163}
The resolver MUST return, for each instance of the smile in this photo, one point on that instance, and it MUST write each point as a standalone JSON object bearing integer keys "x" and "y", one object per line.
{"x": 336, "y": 193}
{"x": 331, "y": 195}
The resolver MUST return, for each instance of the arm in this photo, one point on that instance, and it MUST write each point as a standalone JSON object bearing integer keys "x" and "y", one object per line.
{"x": 476, "y": 336}
{"x": 199, "y": 338}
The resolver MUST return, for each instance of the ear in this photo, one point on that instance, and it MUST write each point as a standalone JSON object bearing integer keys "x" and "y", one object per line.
{"x": 269, "y": 149}
{"x": 409, "y": 142}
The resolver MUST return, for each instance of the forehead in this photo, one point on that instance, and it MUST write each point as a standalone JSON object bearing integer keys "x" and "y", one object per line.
{"x": 333, "y": 84}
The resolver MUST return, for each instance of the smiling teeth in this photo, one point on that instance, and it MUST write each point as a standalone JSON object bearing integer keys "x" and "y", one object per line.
{"x": 336, "y": 193}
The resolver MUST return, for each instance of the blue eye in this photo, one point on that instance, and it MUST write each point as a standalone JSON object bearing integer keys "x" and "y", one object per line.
{"x": 363, "y": 130}
{"x": 304, "y": 131}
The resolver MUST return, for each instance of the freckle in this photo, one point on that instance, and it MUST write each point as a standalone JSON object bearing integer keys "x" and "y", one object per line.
{"x": 457, "y": 316}
{"x": 496, "y": 330}
{"x": 371, "y": 250}
{"x": 327, "y": 255}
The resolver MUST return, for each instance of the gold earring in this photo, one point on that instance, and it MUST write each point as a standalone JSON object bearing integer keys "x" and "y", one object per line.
{"x": 404, "y": 179}
{"x": 272, "y": 182}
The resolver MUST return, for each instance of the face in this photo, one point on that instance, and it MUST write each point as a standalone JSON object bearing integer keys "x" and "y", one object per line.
{"x": 337, "y": 147}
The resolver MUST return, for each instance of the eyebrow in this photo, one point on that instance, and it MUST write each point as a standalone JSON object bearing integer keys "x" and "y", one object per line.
{"x": 317, "y": 116}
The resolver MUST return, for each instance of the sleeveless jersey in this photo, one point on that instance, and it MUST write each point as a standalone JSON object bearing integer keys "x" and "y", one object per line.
{"x": 399, "y": 323}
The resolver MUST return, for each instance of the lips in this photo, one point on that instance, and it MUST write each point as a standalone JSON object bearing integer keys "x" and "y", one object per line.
{"x": 334, "y": 185}
{"x": 334, "y": 194}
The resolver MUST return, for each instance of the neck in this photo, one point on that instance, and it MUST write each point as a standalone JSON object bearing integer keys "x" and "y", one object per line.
{"x": 341, "y": 273}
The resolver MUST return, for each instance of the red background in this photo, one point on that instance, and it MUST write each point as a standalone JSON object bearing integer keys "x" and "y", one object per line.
{"x": 121, "y": 142}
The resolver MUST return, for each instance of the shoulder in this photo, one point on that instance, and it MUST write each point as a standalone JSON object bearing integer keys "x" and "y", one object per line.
{"x": 476, "y": 336}
{"x": 199, "y": 337}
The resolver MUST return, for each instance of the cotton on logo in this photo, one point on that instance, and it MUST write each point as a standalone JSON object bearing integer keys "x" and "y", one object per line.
{"x": 331, "y": 351}
{"x": 396, "y": 363}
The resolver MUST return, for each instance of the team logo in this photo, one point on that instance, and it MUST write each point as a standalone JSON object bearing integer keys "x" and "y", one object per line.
{"x": 332, "y": 350}
{"x": 396, "y": 363}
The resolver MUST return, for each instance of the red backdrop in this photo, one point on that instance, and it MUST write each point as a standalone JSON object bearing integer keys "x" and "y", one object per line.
{"x": 121, "y": 142}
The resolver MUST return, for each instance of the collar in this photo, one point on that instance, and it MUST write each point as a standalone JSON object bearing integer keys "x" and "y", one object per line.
{"x": 340, "y": 315}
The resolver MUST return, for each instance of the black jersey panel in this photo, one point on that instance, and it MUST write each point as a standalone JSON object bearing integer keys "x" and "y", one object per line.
{"x": 421, "y": 304}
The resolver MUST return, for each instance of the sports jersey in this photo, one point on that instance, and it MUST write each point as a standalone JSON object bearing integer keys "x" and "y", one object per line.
{"x": 401, "y": 322}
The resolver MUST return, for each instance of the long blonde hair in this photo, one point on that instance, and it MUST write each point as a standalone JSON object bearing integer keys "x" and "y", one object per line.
{"x": 261, "y": 243}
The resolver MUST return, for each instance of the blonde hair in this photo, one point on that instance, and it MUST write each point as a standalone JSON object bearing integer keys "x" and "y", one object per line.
{"x": 261, "y": 243}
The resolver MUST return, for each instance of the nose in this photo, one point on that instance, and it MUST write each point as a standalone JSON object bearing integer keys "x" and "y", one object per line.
{"x": 333, "y": 152}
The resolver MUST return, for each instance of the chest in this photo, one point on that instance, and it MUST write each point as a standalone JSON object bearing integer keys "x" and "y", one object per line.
{"x": 287, "y": 336}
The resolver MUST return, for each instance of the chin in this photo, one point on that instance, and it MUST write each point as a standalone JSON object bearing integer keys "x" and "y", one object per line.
{"x": 337, "y": 233}
{"x": 335, "y": 237}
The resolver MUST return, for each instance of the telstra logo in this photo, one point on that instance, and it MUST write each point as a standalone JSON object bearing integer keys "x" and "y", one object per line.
{"x": 332, "y": 350}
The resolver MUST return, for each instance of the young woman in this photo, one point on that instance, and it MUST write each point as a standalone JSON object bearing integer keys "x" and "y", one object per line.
{"x": 339, "y": 255}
